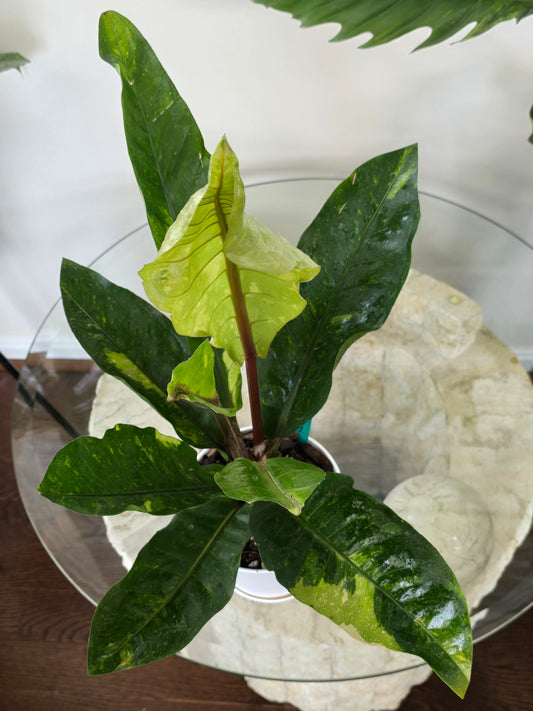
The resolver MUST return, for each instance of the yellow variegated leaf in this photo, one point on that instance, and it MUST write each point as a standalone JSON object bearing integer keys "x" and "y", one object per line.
{"x": 194, "y": 380}
{"x": 354, "y": 560}
{"x": 222, "y": 274}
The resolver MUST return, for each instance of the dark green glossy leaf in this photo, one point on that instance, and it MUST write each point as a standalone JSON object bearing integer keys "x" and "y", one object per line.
{"x": 354, "y": 560}
{"x": 165, "y": 145}
{"x": 362, "y": 240}
{"x": 128, "y": 469}
{"x": 12, "y": 60}
{"x": 180, "y": 579}
{"x": 387, "y": 20}
{"x": 284, "y": 481}
{"x": 129, "y": 339}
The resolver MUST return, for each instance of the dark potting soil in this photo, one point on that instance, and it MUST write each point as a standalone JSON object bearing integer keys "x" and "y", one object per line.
{"x": 289, "y": 447}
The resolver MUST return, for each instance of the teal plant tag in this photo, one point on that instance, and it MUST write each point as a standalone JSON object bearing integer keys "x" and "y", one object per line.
{"x": 303, "y": 432}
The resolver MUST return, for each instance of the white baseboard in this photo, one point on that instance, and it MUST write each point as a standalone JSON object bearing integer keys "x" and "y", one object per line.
{"x": 15, "y": 348}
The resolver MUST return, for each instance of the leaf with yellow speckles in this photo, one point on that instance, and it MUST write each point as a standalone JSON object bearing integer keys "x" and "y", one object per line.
{"x": 362, "y": 240}
{"x": 129, "y": 339}
{"x": 130, "y": 468}
{"x": 183, "y": 576}
{"x": 354, "y": 560}
{"x": 165, "y": 145}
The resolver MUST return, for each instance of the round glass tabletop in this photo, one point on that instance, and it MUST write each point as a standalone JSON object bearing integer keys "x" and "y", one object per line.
{"x": 438, "y": 431}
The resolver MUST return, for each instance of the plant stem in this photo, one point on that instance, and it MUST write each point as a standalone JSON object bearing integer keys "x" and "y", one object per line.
{"x": 232, "y": 437}
{"x": 248, "y": 346}
{"x": 244, "y": 327}
{"x": 255, "y": 405}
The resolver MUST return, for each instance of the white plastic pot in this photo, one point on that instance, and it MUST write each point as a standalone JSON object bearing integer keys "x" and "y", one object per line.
{"x": 259, "y": 584}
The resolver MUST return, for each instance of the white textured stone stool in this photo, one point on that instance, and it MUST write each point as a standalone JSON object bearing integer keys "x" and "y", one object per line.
{"x": 439, "y": 413}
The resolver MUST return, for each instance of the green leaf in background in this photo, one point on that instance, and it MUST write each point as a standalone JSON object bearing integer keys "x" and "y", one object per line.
{"x": 354, "y": 560}
{"x": 284, "y": 481}
{"x": 388, "y": 20}
{"x": 221, "y": 274}
{"x": 194, "y": 381}
{"x": 183, "y": 576}
{"x": 128, "y": 469}
{"x": 12, "y": 60}
{"x": 165, "y": 145}
{"x": 362, "y": 240}
{"x": 132, "y": 341}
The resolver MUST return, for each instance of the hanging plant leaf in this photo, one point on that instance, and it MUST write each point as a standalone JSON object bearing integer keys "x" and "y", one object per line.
{"x": 362, "y": 240}
{"x": 388, "y": 20}
{"x": 194, "y": 381}
{"x": 183, "y": 576}
{"x": 354, "y": 560}
{"x": 284, "y": 481}
{"x": 128, "y": 469}
{"x": 165, "y": 145}
{"x": 12, "y": 60}
{"x": 222, "y": 274}
{"x": 132, "y": 341}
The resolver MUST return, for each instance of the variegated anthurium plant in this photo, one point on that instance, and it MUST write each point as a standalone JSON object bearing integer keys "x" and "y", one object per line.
{"x": 236, "y": 294}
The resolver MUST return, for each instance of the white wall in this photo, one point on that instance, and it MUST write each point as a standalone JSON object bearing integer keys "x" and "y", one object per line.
{"x": 290, "y": 102}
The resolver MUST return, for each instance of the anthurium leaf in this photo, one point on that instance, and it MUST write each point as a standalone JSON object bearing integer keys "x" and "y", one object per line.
{"x": 354, "y": 560}
{"x": 222, "y": 274}
{"x": 362, "y": 240}
{"x": 388, "y": 20}
{"x": 12, "y": 60}
{"x": 227, "y": 375}
{"x": 194, "y": 381}
{"x": 228, "y": 380}
{"x": 284, "y": 481}
{"x": 132, "y": 341}
{"x": 165, "y": 145}
{"x": 128, "y": 469}
{"x": 180, "y": 579}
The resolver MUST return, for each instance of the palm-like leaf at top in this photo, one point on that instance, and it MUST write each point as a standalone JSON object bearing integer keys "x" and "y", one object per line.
{"x": 390, "y": 19}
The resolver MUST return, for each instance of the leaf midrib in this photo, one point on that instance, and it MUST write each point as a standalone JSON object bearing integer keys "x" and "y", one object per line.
{"x": 294, "y": 504}
{"x": 140, "y": 492}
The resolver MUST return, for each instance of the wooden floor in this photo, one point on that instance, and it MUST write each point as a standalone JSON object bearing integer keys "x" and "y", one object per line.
{"x": 44, "y": 624}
